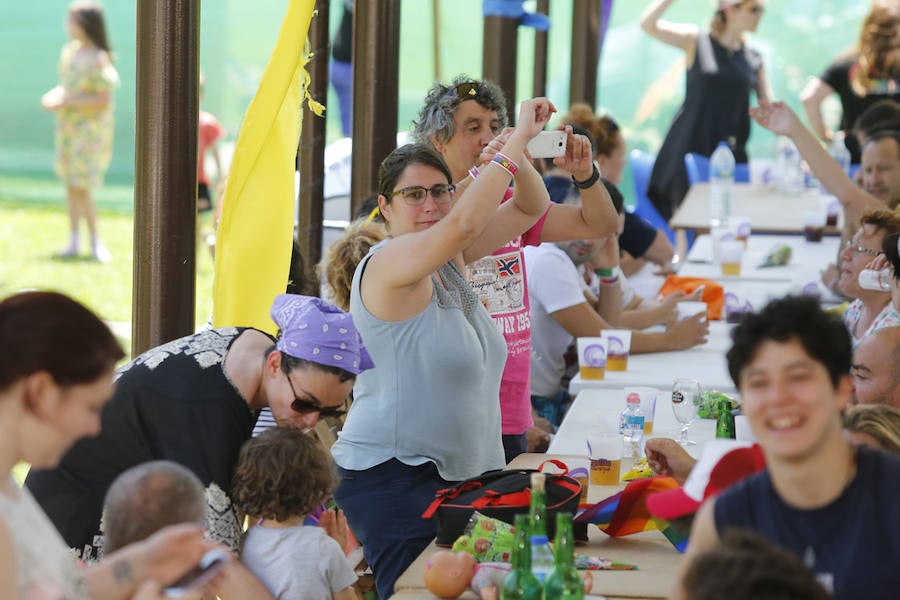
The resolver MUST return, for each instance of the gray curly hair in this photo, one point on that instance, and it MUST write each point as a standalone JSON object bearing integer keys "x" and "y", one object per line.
{"x": 436, "y": 116}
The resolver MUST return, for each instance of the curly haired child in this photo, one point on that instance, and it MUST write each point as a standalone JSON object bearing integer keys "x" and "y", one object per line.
{"x": 282, "y": 476}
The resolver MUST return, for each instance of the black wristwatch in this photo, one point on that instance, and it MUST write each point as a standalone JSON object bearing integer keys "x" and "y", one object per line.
{"x": 583, "y": 185}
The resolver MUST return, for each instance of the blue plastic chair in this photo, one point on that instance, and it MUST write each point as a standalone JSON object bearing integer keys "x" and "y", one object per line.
{"x": 641, "y": 166}
{"x": 697, "y": 167}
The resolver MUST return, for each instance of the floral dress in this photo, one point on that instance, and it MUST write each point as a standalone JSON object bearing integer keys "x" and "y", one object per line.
{"x": 84, "y": 135}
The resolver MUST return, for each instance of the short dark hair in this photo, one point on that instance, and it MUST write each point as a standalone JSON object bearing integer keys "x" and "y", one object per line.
{"x": 148, "y": 497}
{"x": 48, "y": 331}
{"x": 884, "y": 114}
{"x": 883, "y": 134}
{"x": 282, "y": 473}
{"x": 890, "y": 248}
{"x": 441, "y": 102}
{"x": 745, "y": 566}
{"x": 392, "y": 167}
{"x": 618, "y": 200}
{"x": 289, "y": 364}
{"x": 822, "y": 335}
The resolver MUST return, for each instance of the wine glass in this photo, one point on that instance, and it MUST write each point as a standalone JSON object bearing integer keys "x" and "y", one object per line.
{"x": 685, "y": 400}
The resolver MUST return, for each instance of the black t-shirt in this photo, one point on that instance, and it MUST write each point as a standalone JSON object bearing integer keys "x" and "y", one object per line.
{"x": 854, "y": 542}
{"x": 174, "y": 402}
{"x": 838, "y": 75}
{"x": 637, "y": 235}
{"x": 342, "y": 44}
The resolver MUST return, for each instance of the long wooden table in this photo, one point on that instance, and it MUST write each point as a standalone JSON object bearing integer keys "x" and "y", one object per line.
{"x": 770, "y": 209}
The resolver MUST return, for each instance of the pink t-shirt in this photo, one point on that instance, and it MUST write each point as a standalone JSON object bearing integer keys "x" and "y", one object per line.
{"x": 500, "y": 282}
{"x": 208, "y": 131}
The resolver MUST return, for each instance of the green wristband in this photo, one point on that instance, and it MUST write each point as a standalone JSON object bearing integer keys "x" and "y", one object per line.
{"x": 605, "y": 272}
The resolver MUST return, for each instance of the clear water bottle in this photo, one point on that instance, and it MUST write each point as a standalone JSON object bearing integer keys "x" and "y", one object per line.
{"x": 632, "y": 425}
{"x": 839, "y": 152}
{"x": 788, "y": 167}
{"x": 542, "y": 559}
{"x": 721, "y": 182}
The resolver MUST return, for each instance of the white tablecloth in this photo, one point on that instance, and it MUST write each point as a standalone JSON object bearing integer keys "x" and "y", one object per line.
{"x": 594, "y": 409}
{"x": 705, "y": 363}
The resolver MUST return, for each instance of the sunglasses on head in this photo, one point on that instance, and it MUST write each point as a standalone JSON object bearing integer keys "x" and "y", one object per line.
{"x": 303, "y": 406}
{"x": 467, "y": 90}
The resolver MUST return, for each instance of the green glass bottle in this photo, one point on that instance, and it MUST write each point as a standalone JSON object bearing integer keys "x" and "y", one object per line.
{"x": 520, "y": 583}
{"x": 537, "y": 512}
{"x": 564, "y": 581}
{"x": 725, "y": 421}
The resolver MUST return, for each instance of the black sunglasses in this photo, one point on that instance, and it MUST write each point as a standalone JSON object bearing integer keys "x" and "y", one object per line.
{"x": 304, "y": 407}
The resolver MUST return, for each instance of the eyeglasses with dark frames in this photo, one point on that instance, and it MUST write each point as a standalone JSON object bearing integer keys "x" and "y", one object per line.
{"x": 304, "y": 407}
{"x": 414, "y": 195}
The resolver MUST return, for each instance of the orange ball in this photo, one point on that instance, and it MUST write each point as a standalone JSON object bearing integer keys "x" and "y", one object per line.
{"x": 448, "y": 574}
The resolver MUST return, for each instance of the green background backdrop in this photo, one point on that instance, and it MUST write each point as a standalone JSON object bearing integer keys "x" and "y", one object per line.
{"x": 798, "y": 38}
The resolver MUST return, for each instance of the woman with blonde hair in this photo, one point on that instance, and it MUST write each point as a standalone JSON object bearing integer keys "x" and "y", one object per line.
{"x": 875, "y": 425}
{"x": 337, "y": 266}
{"x": 867, "y": 73}
{"x": 722, "y": 71}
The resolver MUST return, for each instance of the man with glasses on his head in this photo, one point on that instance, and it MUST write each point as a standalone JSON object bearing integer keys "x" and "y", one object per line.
{"x": 870, "y": 310}
{"x": 460, "y": 120}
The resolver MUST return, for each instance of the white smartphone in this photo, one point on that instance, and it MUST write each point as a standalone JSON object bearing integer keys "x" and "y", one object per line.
{"x": 209, "y": 566}
{"x": 547, "y": 144}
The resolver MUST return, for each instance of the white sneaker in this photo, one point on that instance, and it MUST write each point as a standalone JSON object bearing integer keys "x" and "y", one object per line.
{"x": 100, "y": 253}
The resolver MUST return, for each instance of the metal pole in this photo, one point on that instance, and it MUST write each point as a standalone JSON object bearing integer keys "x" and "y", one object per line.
{"x": 376, "y": 70}
{"x": 165, "y": 183}
{"x": 436, "y": 37}
{"x": 311, "y": 150}
{"x": 539, "y": 86}
{"x": 585, "y": 40}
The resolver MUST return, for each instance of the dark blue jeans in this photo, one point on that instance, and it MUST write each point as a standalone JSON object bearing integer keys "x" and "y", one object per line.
{"x": 384, "y": 507}
{"x": 514, "y": 444}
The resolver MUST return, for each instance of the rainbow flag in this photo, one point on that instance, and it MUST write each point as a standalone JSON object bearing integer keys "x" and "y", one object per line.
{"x": 626, "y": 513}
{"x": 256, "y": 229}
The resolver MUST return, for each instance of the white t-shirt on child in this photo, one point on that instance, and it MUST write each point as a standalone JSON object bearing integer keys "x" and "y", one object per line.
{"x": 297, "y": 563}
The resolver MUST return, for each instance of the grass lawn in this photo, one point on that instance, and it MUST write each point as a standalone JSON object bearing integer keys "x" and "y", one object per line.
{"x": 30, "y": 234}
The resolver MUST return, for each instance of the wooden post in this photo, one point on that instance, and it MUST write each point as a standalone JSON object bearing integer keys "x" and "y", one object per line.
{"x": 165, "y": 171}
{"x": 311, "y": 151}
{"x": 501, "y": 35}
{"x": 376, "y": 66}
{"x": 585, "y": 40}
{"x": 539, "y": 85}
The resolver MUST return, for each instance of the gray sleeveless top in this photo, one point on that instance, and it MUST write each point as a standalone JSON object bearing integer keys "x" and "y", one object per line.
{"x": 433, "y": 394}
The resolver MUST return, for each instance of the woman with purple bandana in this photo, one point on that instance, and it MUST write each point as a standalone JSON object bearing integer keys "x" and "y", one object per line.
{"x": 195, "y": 400}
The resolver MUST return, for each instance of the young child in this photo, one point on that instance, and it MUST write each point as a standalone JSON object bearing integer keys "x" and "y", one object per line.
{"x": 282, "y": 476}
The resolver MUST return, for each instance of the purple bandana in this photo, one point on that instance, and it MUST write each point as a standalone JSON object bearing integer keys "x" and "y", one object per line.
{"x": 317, "y": 331}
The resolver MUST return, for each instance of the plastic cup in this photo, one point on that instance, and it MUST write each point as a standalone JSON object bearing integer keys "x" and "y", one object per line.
{"x": 592, "y": 358}
{"x": 606, "y": 459}
{"x": 742, "y": 228}
{"x": 831, "y": 206}
{"x": 580, "y": 470}
{"x": 731, "y": 252}
{"x": 814, "y": 226}
{"x": 721, "y": 233}
{"x": 618, "y": 347}
{"x": 648, "y": 397}
{"x": 686, "y": 310}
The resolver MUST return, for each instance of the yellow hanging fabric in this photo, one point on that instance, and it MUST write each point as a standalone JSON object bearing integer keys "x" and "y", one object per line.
{"x": 256, "y": 228}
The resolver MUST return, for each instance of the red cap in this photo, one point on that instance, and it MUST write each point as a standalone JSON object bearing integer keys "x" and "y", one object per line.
{"x": 722, "y": 464}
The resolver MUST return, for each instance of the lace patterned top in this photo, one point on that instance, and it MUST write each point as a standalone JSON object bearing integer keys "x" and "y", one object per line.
{"x": 44, "y": 567}
{"x": 173, "y": 402}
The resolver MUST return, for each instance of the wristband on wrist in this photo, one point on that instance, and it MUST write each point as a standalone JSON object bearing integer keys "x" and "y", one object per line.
{"x": 605, "y": 272}
{"x": 609, "y": 280}
{"x": 473, "y": 172}
{"x": 590, "y": 181}
{"x": 508, "y": 164}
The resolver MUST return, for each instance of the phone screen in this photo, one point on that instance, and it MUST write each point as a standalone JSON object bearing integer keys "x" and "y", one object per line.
{"x": 208, "y": 567}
